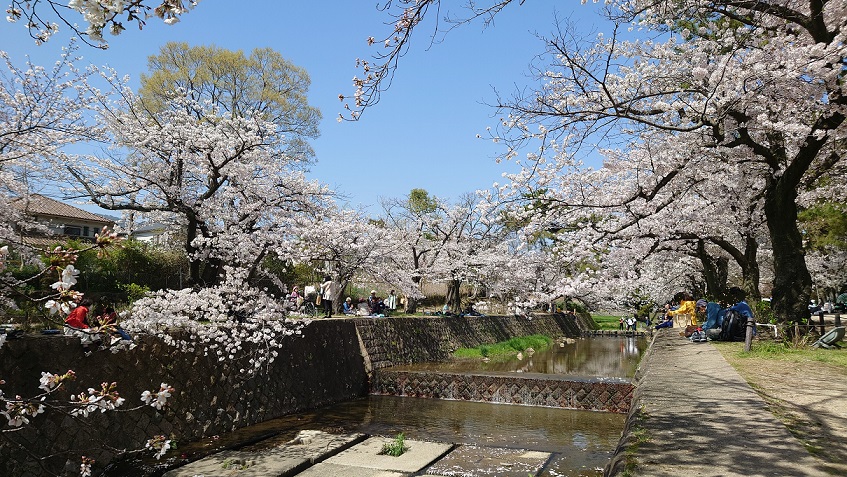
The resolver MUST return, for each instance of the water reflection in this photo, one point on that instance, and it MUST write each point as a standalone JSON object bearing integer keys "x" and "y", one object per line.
{"x": 581, "y": 441}
{"x": 595, "y": 356}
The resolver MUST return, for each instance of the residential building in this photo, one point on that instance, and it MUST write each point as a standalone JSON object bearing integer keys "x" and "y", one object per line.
{"x": 61, "y": 219}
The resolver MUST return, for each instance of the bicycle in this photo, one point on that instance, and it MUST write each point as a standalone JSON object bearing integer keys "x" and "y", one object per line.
{"x": 309, "y": 309}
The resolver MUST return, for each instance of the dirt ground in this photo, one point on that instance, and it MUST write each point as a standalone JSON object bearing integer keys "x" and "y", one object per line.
{"x": 807, "y": 394}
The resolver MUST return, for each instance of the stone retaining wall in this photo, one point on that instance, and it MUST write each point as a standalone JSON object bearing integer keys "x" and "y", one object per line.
{"x": 600, "y": 394}
{"x": 330, "y": 363}
{"x": 394, "y": 341}
{"x": 322, "y": 367}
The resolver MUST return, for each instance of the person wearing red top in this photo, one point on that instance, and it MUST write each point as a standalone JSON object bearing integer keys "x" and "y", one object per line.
{"x": 79, "y": 316}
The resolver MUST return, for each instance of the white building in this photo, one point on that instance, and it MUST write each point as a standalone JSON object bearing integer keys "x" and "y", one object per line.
{"x": 63, "y": 220}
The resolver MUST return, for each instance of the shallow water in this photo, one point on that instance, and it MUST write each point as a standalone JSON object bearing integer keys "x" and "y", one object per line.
{"x": 582, "y": 441}
{"x": 586, "y": 357}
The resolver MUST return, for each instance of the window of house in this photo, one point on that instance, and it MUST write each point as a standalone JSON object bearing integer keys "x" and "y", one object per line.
{"x": 85, "y": 231}
{"x": 73, "y": 231}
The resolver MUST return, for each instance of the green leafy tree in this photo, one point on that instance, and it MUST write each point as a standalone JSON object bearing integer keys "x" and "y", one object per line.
{"x": 825, "y": 225}
{"x": 239, "y": 84}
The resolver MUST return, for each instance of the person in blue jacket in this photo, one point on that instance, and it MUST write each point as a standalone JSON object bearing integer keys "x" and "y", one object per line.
{"x": 739, "y": 296}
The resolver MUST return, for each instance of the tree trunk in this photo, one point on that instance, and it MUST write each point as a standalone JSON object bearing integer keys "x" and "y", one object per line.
{"x": 750, "y": 273}
{"x": 411, "y": 306}
{"x": 337, "y": 299}
{"x": 715, "y": 271}
{"x": 792, "y": 285}
{"x": 748, "y": 261}
{"x": 412, "y": 303}
{"x": 193, "y": 262}
{"x": 454, "y": 300}
{"x": 211, "y": 272}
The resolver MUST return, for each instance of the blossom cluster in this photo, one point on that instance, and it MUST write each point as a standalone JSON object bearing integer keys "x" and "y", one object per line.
{"x": 97, "y": 14}
{"x": 19, "y": 411}
{"x": 160, "y": 445}
{"x": 104, "y": 399}
{"x": 159, "y": 399}
{"x": 228, "y": 321}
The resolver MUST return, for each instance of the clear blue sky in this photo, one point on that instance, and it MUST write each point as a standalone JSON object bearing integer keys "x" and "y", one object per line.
{"x": 423, "y": 132}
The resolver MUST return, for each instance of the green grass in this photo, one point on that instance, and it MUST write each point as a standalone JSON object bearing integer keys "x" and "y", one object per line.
{"x": 780, "y": 352}
{"x": 606, "y": 322}
{"x": 505, "y": 348}
{"x": 396, "y": 447}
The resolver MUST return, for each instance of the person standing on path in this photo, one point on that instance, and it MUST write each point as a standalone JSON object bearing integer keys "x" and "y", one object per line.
{"x": 391, "y": 302}
{"x": 328, "y": 289}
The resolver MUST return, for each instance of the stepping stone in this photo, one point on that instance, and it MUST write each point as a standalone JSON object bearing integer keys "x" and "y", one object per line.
{"x": 473, "y": 461}
{"x": 367, "y": 455}
{"x": 325, "y": 469}
{"x": 309, "y": 447}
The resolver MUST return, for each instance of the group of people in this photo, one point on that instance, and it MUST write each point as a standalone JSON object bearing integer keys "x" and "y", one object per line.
{"x": 328, "y": 289}
{"x": 92, "y": 329}
{"x": 706, "y": 316}
{"x": 375, "y": 305}
{"x": 629, "y": 323}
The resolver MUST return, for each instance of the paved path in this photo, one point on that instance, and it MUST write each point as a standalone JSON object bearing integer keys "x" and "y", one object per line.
{"x": 696, "y": 416}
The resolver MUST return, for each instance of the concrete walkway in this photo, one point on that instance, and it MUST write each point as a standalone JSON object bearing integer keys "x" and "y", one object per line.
{"x": 694, "y": 415}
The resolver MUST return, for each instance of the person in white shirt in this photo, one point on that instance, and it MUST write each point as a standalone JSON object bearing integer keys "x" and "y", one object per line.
{"x": 391, "y": 302}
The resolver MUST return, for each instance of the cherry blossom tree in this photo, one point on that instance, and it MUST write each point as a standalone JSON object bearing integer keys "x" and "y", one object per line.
{"x": 441, "y": 242}
{"x": 43, "y": 18}
{"x": 227, "y": 178}
{"x": 344, "y": 244}
{"x": 472, "y": 241}
{"x": 42, "y": 110}
{"x": 756, "y": 88}
{"x": 699, "y": 68}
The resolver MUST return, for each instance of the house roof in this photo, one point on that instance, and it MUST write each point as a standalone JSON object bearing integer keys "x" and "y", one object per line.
{"x": 37, "y": 204}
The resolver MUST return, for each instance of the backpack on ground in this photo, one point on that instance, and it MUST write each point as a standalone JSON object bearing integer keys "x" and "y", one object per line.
{"x": 734, "y": 327}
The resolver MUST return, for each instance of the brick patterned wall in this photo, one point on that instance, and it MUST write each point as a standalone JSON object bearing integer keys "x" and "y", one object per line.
{"x": 329, "y": 364}
{"x": 600, "y": 394}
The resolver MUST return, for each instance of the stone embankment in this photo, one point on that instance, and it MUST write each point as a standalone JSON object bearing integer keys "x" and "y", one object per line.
{"x": 330, "y": 363}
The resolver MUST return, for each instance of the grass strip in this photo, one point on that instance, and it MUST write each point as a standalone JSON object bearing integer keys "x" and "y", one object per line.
{"x": 505, "y": 348}
{"x": 606, "y": 322}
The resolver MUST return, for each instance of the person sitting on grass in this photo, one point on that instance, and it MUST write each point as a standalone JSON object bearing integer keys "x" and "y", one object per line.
{"x": 109, "y": 321}
{"x": 375, "y": 305}
{"x": 347, "y": 306}
{"x": 685, "y": 313}
{"x": 76, "y": 324}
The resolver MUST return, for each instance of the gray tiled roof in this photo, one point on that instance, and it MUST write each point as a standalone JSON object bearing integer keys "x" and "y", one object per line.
{"x": 37, "y": 204}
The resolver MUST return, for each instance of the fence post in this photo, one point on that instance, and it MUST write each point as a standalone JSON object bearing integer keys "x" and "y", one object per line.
{"x": 838, "y": 319}
{"x": 748, "y": 337}
{"x": 820, "y": 321}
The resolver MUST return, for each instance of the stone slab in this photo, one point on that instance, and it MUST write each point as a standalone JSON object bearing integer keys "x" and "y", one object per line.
{"x": 309, "y": 447}
{"x": 366, "y": 455}
{"x": 325, "y": 469}
{"x": 473, "y": 461}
